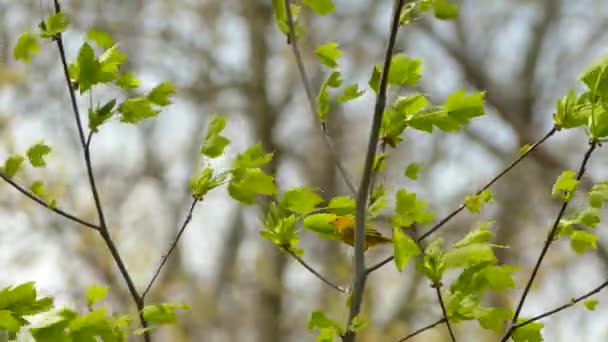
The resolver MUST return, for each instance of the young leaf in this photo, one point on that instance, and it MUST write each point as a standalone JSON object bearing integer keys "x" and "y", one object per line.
{"x": 136, "y": 109}
{"x": 127, "y": 80}
{"x": 410, "y": 210}
{"x": 481, "y": 234}
{"x": 374, "y": 80}
{"x": 494, "y": 318}
{"x": 404, "y": 70}
{"x": 528, "y": 333}
{"x": 38, "y": 188}
{"x": 405, "y": 248}
{"x": 445, "y": 10}
{"x": 95, "y": 294}
{"x": 565, "y": 186}
{"x": 26, "y": 45}
{"x": 320, "y": 224}
{"x": 160, "y": 94}
{"x": 476, "y": 202}
{"x": 332, "y": 81}
{"x": 342, "y": 205}
{"x": 462, "y": 107}
{"x": 89, "y": 68}
{"x": 349, "y": 93}
{"x": 250, "y": 182}
{"x": 318, "y": 320}
{"x": 36, "y": 154}
{"x": 12, "y": 165}
{"x": 301, "y": 200}
{"x": 590, "y": 304}
{"x": 101, "y": 38}
{"x": 321, "y": 7}
{"x": 328, "y": 54}
{"x": 53, "y": 25}
{"x": 162, "y": 313}
{"x": 598, "y": 195}
{"x": 252, "y": 157}
{"x": 100, "y": 115}
{"x": 412, "y": 171}
{"x": 581, "y": 241}
{"x": 214, "y": 143}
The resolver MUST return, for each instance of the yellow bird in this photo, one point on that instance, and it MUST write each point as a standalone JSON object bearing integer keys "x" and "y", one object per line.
{"x": 344, "y": 229}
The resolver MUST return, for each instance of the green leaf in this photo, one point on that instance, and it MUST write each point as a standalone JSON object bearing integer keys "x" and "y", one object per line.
{"x": 301, "y": 200}
{"x": 530, "y": 332}
{"x": 252, "y": 157}
{"x": 462, "y": 107}
{"x": 404, "y": 70}
{"x": 445, "y": 10}
{"x": 89, "y": 68}
{"x": 95, "y": 294}
{"x": 494, "y": 318}
{"x": 136, "y": 109}
{"x": 500, "y": 277}
{"x": 374, "y": 80}
{"x": 572, "y": 111}
{"x": 598, "y": 195}
{"x": 127, "y": 80}
{"x": 476, "y": 202}
{"x": 378, "y": 201}
{"x": 8, "y": 322}
{"x": 596, "y": 78}
{"x": 342, "y": 205}
{"x": 38, "y": 188}
{"x": 321, "y": 7}
{"x": 160, "y": 94}
{"x": 468, "y": 255}
{"x": 405, "y": 248}
{"x": 214, "y": 144}
{"x": 12, "y": 165}
{"x": 332, "y": 81}
{"x": 100, "y": 115}
{"x": 109, "y": 62}
{"x": 53, "y": 25}
{"x": 481, "y": 234}
{"x": 101, "y": 38}
{"x": 318, "y": 320}
{"x": 395, "y": 118}
{"x": 204, "y": 181}
{"x": 412, "y": 171}
{"x": 581, "y": 241}
{"x": 433, "y": 264}
{"x": 26, "y": 46}
{"x": 36, "y": 154}
{"x": 320, "y": 224}
{"x": 359, "y": 323}
{"x": 410, "y": 210}
{"x": 565, "y": 186}
{"x": 590, "y": 304}
{"x": 349, "y": 93}
{"x": 250, "y": 182}
{"x": 328, "y": 54}
{"x": 282, "y": 233}
{"x": 163, "y": 313}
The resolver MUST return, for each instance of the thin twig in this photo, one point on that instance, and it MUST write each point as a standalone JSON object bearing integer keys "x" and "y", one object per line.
{"x": 315, "y": 272}
{"x": 359, "y": 271}
{"x": 104, "y": 232}
{"x": 563, "y": 307}
{"x": 462, "y": 206}
{"x": 421, "y": 330}
{"x": 445, "y": 314}
{"x": 489, "y": 184}
{"x": 171, "y": 248}
{"x": 44, "y": 204}
{"x": 311, "y": 99}
{"x": 548, "y": 242}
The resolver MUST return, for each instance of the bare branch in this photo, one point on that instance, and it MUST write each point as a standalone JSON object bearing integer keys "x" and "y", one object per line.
{"x": 44, "y": 204}
{"x": 312, "y": 102}
{"x": 171, "y": 248}
{"x": 550, "y": 239}
{"x": 421, "y": 330}
{"x": 315, "y": 272}
{"x": 445, "y": 314}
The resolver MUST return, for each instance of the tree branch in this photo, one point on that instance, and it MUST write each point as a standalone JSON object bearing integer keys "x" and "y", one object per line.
{"x": 103, "y": 228}
{"x": 548, "y": 242}
{"x": 443, "y": 310}
{"x": 171, "y": 248}
{"x": 312, "y": 102}
{"x": 315, "y": 272}
{"x": 563, "y": 307}
{"x": 44, "y": 204}
{"x": 421, "y": 330}
{"x": 360, "y": 273}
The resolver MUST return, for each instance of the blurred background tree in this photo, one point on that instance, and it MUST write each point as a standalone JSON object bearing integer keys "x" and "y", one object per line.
{"x": 228, "y": 57}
